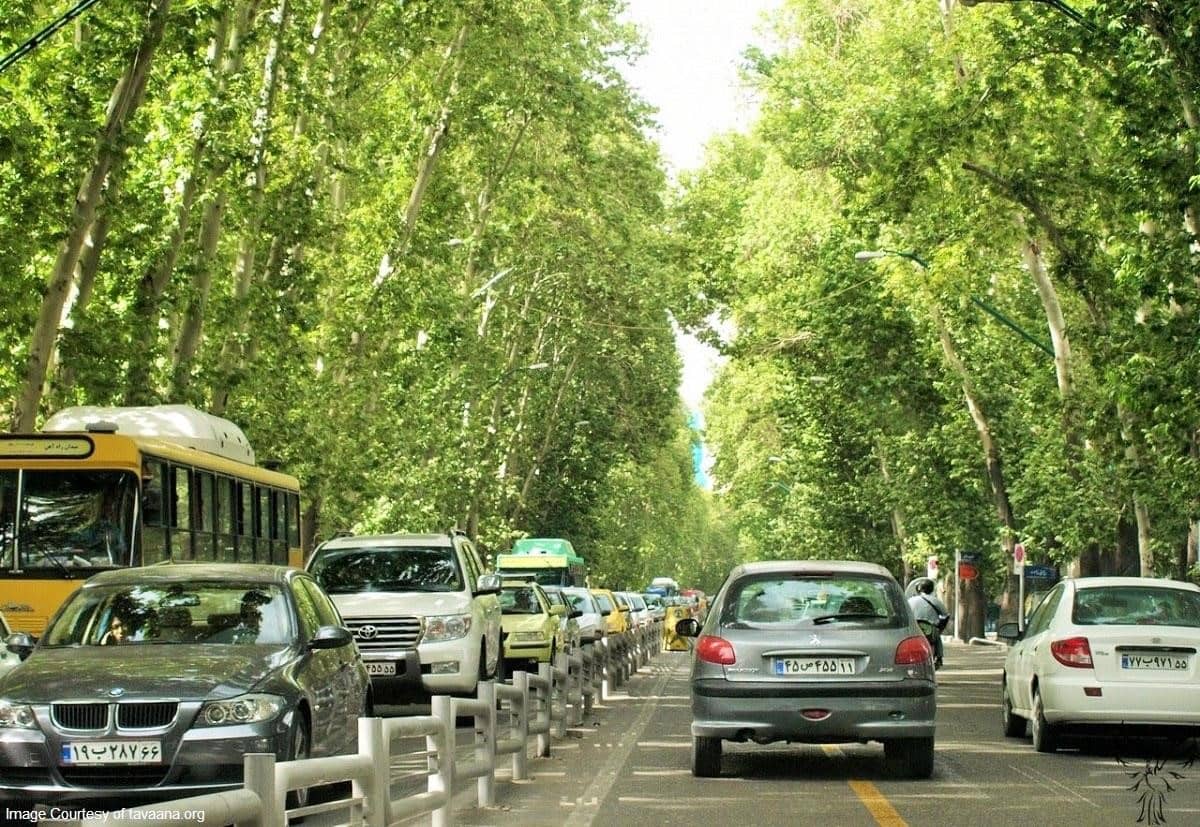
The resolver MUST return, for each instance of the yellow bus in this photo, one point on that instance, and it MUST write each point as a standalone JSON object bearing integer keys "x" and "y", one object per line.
{"x": 102, "y": 488}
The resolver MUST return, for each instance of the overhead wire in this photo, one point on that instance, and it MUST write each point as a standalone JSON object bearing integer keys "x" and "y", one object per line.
{"x": 46, "y": 33}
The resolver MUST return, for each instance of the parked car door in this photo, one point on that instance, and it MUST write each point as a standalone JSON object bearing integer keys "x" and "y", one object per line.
{"x": 318, "y": 671}
{"x": 1026, "y": 655}
{"x": 350, "y": 682}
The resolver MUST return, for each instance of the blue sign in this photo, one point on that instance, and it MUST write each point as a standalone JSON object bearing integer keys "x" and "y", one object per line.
{"x": 1040, "y": 573}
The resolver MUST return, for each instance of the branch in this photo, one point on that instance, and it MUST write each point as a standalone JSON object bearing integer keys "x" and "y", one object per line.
{"x": 1018, "y": 194}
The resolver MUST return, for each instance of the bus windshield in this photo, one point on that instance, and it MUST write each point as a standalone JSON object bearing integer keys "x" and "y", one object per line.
{"x": 68, "y": 519}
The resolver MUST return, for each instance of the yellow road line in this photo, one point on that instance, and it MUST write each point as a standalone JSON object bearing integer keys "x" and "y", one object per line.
{"x": 877, "y": 805}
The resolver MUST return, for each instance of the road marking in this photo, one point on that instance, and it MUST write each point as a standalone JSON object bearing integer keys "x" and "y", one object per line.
{"x": 877, "y": 805}
{"x": 598, "y": 790}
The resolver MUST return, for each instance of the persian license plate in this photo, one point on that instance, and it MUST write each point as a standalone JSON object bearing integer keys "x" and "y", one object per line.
{"x": 814, "y": 666}
{"x": 381, "y": 667}
{"x": 1170, "y": 663}
{"x": 111, "y": 752}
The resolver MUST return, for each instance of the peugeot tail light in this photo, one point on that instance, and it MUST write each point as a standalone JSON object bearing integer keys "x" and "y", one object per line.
{"x": 713, "y": 649}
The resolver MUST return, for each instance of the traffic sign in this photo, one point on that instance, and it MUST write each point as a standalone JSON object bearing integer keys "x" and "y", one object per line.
{"x": 931, "y": 568}
{"x": 1019, "y": 554}
{"x": 1040, "y": 573}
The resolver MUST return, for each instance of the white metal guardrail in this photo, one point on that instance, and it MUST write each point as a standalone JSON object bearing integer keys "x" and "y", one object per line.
{"x": 559, "y": 695}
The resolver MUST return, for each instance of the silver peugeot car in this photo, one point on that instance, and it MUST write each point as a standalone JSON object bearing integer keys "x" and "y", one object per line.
{"x": 812, "y": 652}
{"x": 154, "y": 682}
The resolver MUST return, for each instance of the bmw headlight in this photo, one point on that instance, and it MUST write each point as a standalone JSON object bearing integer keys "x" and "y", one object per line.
{"x": 244, "y": 709}
{"x": 16, "y": 716}
{"x": 528, "y": 637}
{"x": 446, "y": 627}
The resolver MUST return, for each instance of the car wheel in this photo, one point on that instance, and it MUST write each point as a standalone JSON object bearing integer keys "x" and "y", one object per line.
{"x": 706, "y": 757}
{"x": 1014, "y": 725}
{"x": 1045, "y": 736}
{"x": 909, "y": 757}
{"x": 299, "y": 746}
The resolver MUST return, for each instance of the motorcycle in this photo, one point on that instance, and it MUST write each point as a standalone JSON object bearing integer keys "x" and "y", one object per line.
{"x": 934, "y": 635}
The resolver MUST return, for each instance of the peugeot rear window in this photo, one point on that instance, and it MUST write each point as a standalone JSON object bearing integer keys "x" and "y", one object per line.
{"x": 784, "y": 599}
{"x": 387, "y": 569}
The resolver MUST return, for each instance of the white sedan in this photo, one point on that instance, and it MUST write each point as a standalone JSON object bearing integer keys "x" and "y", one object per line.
{"x": 1105, "y": 655}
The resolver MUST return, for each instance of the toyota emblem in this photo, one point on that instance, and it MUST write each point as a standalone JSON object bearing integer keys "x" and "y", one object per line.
{"x": 367, "y": 632}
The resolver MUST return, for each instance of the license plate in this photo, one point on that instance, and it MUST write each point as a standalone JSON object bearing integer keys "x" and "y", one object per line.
{"x": 112, "y": 752}
{"x": 814, "y": 666}
{"x": 1171, "y": 663}
{"x": 381, "y": 667}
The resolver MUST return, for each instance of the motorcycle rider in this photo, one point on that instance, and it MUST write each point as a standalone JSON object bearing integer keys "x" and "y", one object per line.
{"x": 927, "y": 607}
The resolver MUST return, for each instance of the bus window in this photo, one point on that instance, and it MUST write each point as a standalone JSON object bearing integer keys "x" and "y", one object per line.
{"x": 204, "y": 515}
{"x": 279, "y": 534}
{"x": 74, "y": 519}
{"x": 181, "y": 513}
{"x": 245, "y": 526}
{"x": 262, "y": 525}
{"x": 293, "y": 521}
{"x": 8, "y": 516}
{"x": 154, "y": 516}
{"x": 226, "y": 550}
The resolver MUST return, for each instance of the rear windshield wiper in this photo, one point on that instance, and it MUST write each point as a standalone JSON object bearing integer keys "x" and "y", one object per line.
{"x": 847, "y": 616}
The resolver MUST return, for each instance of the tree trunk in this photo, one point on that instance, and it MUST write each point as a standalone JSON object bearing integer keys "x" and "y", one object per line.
{"x": 243, "y": 275}
{"x": 1054, "y": 316}
{"x": 124, "y": 104}
{"x": 551, "y": 425}
{"x": 991, "y": 460}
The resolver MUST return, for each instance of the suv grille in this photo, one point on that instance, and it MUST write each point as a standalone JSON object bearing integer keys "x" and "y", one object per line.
{"x": 80, "y": 716}
{"x": 153, "y": 715}
{"x": 383, "y": 633}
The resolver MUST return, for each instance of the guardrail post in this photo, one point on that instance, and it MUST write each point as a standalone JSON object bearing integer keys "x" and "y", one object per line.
{"x": 259, "y": 768}
{"x": 373, "y": 744}
{"x": 441, "y": 748}
{"x": 605, "y": 667}
{"x": 545, "y": 707}
{"x": 562, "y": 693}
{"x": 485, "y": 744}
{"x": 520, "y": 723}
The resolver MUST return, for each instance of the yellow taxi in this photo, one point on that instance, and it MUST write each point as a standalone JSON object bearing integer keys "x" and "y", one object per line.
{"x": 531, "y": 625}
{"x": 615, "y": 611}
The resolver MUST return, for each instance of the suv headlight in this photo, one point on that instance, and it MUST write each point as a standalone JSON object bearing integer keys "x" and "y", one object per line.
{"x": 446, "y": 627}
{"x": 244, "y": 709}
{"x": 16, "y": 716}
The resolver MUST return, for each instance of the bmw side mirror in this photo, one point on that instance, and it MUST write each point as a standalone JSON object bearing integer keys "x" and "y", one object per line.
{"x": 688, "y": 627}
{"x": 331, "y": 637}
{"x": 488, "y": 584}
{"x": 20, "y": 644}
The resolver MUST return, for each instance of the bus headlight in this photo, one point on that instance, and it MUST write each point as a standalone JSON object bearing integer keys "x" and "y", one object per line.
{"x": 440, "y": 628}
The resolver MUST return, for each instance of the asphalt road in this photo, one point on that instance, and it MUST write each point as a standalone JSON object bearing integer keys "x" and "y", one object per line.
{"x": 629, "y": 766}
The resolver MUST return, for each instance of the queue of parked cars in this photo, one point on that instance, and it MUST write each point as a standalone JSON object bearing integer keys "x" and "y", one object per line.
{"x": 152, "y": 683}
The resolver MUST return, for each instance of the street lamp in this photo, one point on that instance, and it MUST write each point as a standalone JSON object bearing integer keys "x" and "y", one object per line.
{"x": 1057, "y": 5}
{"x": 870, "y": 255}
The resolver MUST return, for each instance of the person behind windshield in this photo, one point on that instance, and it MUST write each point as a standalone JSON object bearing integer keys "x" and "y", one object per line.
{"x": 927, "y": 607}
{"x": 117, "y": 632}
{"x": 99, "y": 538}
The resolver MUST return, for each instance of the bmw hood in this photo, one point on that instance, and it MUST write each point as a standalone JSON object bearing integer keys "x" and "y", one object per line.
{"x": 193, "y": 672}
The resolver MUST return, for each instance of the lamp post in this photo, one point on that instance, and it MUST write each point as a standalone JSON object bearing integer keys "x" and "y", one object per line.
{"x": 869, "y": 255}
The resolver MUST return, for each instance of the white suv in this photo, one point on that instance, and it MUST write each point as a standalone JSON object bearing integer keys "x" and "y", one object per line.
{"x": 424, "y": 613}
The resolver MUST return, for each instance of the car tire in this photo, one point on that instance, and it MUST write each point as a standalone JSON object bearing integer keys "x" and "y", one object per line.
{"x": 299, "y": 747}
{"x": 1014, "y": 724}
{"x": 706, "y": 756}
{"x": 1045, "y": 735}
{"x": 909, "y": 757}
